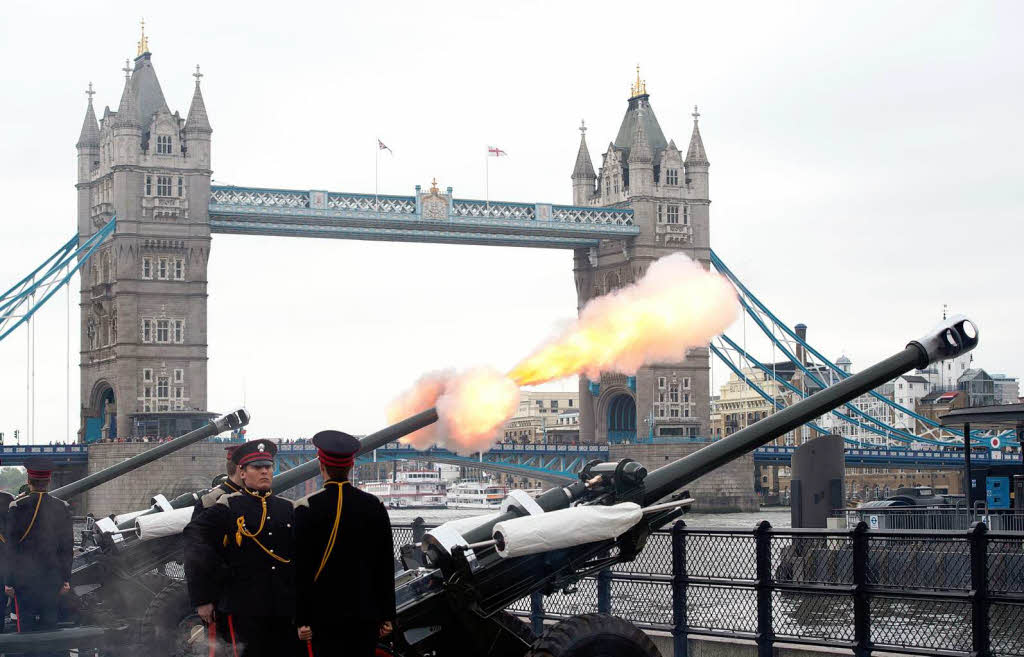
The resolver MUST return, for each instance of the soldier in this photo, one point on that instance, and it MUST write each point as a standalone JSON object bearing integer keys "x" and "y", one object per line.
{"x": 232, "y": 484}
{"x": 196, "y": 572}
{"x": 39, "y": 549}
{"x": 5, "y": 502}
{"x": 344, "y": 558}
{"x": 248, "y": 532}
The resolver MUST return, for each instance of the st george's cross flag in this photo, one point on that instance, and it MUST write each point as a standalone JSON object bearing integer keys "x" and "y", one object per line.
{"x": 382, "y": 147}
{"x": 494, "y": 151}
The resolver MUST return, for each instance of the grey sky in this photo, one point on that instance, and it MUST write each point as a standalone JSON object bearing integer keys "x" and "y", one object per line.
{"x": 865, "y": 169}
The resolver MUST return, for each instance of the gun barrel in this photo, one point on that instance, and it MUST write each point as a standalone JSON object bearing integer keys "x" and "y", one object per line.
{"x": 230, "y": 421}
{"x": 368, "y": 443}
{"x": 952, "y": 338}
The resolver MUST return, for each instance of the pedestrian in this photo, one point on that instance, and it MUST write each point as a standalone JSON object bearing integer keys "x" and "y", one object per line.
{"x": 39, "y": 546}
{"x": 344, "y": 559}
{"x": 248, "y": 533}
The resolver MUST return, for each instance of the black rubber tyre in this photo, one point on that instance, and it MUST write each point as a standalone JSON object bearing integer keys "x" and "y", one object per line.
{"x": 594, "y": 635}
{"x": 171, "y": 627}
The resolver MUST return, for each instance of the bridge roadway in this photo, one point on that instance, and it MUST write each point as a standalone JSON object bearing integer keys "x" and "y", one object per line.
{"x": 433, "y": 216}
{"x": 555, "y": 463}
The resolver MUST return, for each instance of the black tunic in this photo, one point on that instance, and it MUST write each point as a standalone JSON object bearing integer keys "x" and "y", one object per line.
{"x": 261, "y": 580}
{"x": 199, "y": 571}
{"x": 357, "y": 582}
{"x": 225, "y": 487}
{"x": 39, "y": 552}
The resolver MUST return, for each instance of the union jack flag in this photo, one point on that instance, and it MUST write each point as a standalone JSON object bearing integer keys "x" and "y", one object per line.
{"x": 495, "y": 151}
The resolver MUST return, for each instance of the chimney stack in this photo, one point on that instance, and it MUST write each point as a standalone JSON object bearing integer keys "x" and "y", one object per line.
{"x": 801, "y": 332}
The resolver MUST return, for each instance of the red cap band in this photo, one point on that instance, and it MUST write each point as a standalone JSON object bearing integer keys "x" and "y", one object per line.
{"x": 37, "y": 474}
{"x": 335, "y": 461}
{"x": 256, "y": 456}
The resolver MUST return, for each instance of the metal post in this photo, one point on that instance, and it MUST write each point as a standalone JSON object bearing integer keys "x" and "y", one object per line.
{"x": 763, "y": 584}
{"x": 979, "y": 590}
{"x": 604, "y": 590}
{"x": 419, "y": 528}
{"x": 1020, "y": 442}
{"x": 861, "y": 601}
{"x": 967, "y": 468}
{"x": 679, "y": 623}
{"x": 537, "y": 612}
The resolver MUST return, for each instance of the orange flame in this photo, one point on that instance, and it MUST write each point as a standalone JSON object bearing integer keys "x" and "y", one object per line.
{"x": 675, "y": 307}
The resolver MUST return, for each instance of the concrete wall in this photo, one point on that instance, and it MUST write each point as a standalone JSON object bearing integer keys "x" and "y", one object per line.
{"x": 727, "y": 489}
{"x": 189, "y": 469}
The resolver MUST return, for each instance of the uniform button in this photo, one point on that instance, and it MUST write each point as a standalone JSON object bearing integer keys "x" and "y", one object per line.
{"x": 273, "y": 567}
{"x": 270, "y": 533}
{"x": 271, "y": 551}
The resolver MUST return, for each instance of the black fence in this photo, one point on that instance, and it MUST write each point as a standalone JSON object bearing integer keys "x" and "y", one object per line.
{"x": 908, "y": 591}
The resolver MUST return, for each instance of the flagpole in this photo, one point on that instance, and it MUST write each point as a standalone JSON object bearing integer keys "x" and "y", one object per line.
{"x": 376, "y": 178}
{"x": 487, "y": 179}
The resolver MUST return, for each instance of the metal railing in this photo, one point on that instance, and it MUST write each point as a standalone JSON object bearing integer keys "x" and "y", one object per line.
{"x": 868, "y": 591}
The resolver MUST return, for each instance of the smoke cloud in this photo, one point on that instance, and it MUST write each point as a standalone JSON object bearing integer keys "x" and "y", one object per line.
{"x": 676, "y": 306}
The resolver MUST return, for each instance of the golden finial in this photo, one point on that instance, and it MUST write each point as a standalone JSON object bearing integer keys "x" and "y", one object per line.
{"x": 433, "y": 186}
{"x": 143, "y": 41}
{"x": 639, "y": 87}
{"x": 90, "y": 93}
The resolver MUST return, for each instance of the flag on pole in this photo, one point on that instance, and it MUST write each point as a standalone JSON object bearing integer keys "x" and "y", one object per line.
{"x": 494, "y": 151}
{"x": 381, "y": 146}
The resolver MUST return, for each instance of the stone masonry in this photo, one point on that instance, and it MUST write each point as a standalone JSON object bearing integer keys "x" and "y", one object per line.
{"x": 189, "y": 469}
{"x": 143, "y": 293}
{"x": 728, "y": 489}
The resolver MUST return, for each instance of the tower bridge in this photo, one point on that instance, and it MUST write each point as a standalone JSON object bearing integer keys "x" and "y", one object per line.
{"x": 147, "y": 211}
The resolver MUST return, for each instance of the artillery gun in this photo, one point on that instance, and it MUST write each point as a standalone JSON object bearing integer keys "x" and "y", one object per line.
{"x": 459, "y": 580}
{"x": 117, "y": 574}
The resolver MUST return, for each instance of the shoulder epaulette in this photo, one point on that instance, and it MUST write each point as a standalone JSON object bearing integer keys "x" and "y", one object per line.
{"x": 226, "y": 498}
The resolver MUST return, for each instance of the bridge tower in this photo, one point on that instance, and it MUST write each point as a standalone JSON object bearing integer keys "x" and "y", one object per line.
{"x": 143, "y": 294}
{"x": 668, "y": 192}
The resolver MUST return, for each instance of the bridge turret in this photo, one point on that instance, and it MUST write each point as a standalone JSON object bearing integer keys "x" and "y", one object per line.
{"x": 125, "y": 129}
{"x": 697, "y": 161}
{"x": 583, "y": 176}
{"x": 197, "y": 128}
{"x": 88, "y": 142}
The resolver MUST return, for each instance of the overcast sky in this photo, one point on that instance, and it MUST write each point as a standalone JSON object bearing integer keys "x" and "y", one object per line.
{"x": 865, "y": 170}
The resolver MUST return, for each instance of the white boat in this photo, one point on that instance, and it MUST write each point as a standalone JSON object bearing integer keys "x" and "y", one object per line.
{"x": 417, "y": 489}
{"x": 476, "y": 495}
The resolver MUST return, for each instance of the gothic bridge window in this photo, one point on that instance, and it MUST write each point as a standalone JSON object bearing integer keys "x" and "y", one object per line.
{"x": 672, "y": 176}
{"x": 165, "y": 185}
{"x": 163, "y": 268}
{"x": 163, "y": 144}
{"x": 163, "y": 330}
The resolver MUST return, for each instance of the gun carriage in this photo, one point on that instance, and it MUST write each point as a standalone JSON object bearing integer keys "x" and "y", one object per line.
{"x": 454, "y": 585}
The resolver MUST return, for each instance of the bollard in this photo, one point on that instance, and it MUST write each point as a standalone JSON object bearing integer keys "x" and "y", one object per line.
{"x": 679, "y": 639}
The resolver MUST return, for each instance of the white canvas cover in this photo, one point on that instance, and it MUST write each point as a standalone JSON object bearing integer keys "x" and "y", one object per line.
{"x": 167, "y": 523}
{"x": 564, "y": 528}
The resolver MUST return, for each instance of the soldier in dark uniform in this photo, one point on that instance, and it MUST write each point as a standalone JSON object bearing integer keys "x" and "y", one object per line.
{"x": 39, "y": 549}
{"x": 344, "y": 559}
{"x": 5, "y": 502}
{"x": 196, "y": 572}
{"x": 232, "y": 484}
{"x": 250, "y": 534}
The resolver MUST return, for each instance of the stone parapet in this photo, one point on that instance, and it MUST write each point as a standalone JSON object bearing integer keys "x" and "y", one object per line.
{"x": 729, "y": 489}
{"x": 190, "y": 469}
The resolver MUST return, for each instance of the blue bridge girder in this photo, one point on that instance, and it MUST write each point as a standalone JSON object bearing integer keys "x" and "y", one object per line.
{"x": 314, "y": 213}
{"x": 556, "y": 463}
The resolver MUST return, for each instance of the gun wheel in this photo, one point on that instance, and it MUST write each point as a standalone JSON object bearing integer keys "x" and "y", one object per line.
{"x": 171, "y": 626}
{"x": 594, "y": 635}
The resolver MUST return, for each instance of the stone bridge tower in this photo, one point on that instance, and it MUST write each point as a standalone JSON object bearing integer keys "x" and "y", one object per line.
{"x": 668, "y": 192}
{"x": 143, "y": 293}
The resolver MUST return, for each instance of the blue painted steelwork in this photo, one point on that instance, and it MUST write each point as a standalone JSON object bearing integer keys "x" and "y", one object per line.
{"x": 59, "y": 454}
{"x": 282, "y": 212}
{"x": 842, "y": 374}
{"x": 927, "y": 458}
{"x": 47, "y": 279}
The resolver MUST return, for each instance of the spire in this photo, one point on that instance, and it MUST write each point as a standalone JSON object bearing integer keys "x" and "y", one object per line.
{"x": 197, "y": 120}
{"x": 695, "y": 155}
{"x": 641, "y": 150}
{"x": 638, "y": 88}
{"x": 143, "y": 40}
{"x": 584, "y": 168}
{"x": 90, "y": 135}
{"x": 126, "y": 111}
